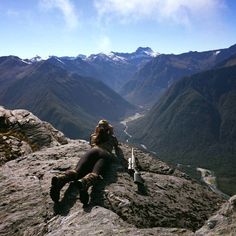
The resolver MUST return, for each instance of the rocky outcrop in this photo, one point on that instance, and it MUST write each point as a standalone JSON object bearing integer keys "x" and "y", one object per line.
{"x": 169, "y": 202}
{"x": 22, "y": 133}
{"x": 169, "y": 199}
{"x": 223, "y": 222}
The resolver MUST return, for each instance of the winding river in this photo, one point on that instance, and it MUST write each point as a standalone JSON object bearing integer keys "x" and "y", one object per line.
{"x": 128, "y": 119}
{"x": 207, "y": 176}
{"x": 210, "y": 179}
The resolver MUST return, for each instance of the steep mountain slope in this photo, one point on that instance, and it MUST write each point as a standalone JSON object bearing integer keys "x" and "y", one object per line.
{"x": 70, "y": 102}
{"x": 169, "y": 203}
{"x": 12, "y": 68}
{"x": 151, "y": 81}
{"x": 74, "y": 65}
{"x": 195, "y": 123}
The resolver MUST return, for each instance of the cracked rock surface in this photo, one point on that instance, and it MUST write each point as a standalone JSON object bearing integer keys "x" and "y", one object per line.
{"x": 169, "y": 202}
{"x": 22, "y": 133}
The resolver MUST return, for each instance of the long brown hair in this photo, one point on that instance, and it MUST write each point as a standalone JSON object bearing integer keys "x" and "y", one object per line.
{"x": 102, "y": 136}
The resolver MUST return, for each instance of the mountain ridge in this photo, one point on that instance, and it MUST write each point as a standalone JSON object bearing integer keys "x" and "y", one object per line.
{"x": 154, "y": 78}
{"x": 69, "y": 101}
{"x": 194, "y": 123}
{"x": 113, "y": 69}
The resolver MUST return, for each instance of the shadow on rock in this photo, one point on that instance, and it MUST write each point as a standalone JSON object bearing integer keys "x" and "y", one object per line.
{"x": 98, "y": 192}
{"x": 142, "y": 189}
{"x": 118, "y": 165}
{"x": 69, "y": 199}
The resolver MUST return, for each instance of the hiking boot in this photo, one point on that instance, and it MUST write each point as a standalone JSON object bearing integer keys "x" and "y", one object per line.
{"x": 57, "y": 183}
{"x": 84, "y": 185}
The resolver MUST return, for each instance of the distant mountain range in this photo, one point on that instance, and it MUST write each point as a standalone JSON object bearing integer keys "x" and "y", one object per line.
{"x": 72, "y": 93}
{"x": 154, "y": 78}
{"x": 194, "y": 123}
{"x": 71, "y": 102}
{"x": 114, "y": 69}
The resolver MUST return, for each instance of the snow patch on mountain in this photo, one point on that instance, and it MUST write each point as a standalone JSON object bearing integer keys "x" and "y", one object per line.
{"x": 146, "y": 51}
{"x": 59, "y": 60}
{"x": 141, "y": 52}
{"x": 26, "y": 61}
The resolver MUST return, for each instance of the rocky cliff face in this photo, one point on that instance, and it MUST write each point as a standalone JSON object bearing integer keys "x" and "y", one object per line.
{"x": 169, "y": 202}
{"x": 22, "y": 133}
{"x": 222, "y": 222}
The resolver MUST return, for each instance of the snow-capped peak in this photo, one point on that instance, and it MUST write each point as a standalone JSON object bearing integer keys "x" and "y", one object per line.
{"x": 82, "y": 56}
{"x": 141, "y": 52}
{"x": 37, "y": 58}
{"x": 146, "y": 51}
{"x": 32, "y": 60}
{"x": 115, "y": 57}
{"x": 105, "y": 57}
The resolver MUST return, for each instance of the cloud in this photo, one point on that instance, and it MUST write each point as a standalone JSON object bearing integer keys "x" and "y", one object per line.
{"x": 104, "y": 44}
{"x": 12, "y": 13}
{"x": 177, "y": 11}
{"x": 66, "y": 8}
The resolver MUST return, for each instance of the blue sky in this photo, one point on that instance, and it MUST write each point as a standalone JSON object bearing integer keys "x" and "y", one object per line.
{"x": 72, "y": 27}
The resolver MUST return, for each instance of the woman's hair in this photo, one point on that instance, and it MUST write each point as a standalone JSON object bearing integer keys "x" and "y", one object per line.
{"x": 102, "y": 136}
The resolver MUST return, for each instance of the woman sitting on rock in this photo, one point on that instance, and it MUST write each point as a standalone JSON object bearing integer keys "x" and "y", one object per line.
{"x": 91, "y": 165}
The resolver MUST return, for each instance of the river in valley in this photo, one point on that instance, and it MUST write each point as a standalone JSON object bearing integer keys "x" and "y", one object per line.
{"x": 128, "y": 119}
{"x": 207, "y": 176}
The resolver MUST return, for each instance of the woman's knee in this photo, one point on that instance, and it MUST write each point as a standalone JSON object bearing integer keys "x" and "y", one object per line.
{"x": 100, "y": 166}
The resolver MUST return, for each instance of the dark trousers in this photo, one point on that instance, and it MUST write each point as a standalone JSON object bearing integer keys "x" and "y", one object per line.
{"x": 95, "y": 160}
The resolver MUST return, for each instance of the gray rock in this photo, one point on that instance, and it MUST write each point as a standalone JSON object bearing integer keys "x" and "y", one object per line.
{"x": 169, "y": 202}
{"x": 116, "y": 207}
{"x": 22, "y": 133}
{"x": 223, "y": 222}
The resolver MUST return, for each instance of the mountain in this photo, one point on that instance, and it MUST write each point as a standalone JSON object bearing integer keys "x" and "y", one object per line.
{"x": 153, "y": 79}
{"x": 71, "y": 102}
{"x": 231, "y": 61}
{"x": 138, "y": 56}
{"x": 74, "y": 65}
{"x": 113, "y": 69}
{"x": 169, "y": 203}
{"x": 194, "y": 123}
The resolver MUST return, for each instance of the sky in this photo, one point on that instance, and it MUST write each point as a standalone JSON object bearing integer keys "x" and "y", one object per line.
{"x": 71, "y": 27}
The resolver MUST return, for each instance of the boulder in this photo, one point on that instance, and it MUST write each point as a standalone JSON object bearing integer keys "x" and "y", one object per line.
{"x": 223, "y": 222}
{"x": 22, "y": 133}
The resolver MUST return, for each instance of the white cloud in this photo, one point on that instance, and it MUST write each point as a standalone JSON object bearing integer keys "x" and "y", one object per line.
{"x": 177, "y": 11}
{"x": 66, "y": 8}
{"x": 104, "y": 44}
